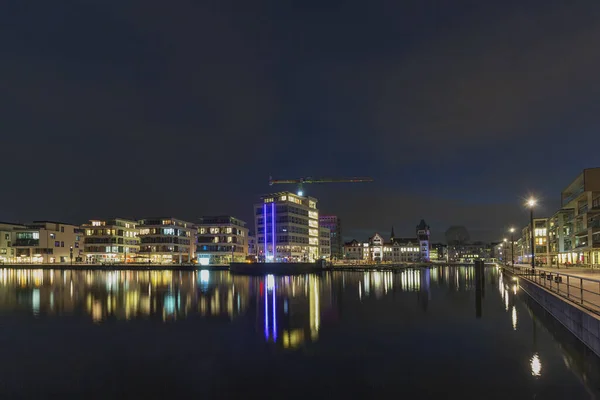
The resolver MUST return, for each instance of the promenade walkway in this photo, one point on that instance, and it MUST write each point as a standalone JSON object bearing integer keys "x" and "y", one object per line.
{"x": 579, "y": 285}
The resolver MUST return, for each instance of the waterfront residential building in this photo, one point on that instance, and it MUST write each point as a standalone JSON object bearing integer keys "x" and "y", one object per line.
{"x": 324, "y": 243}
{"x": 222, "y": 240}
{"x": 581, "y": 224}
{"x": 287, "y": 228}
{"x": 7, "y": 238}
{"x": 111, "y": 241}
{"x": 334, "y": 224}
{"x": 166, "y": 240}
{"x": 48, "y": 242}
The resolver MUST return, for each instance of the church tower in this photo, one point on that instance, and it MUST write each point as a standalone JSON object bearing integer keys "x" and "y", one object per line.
{"x": 423, "y": 237}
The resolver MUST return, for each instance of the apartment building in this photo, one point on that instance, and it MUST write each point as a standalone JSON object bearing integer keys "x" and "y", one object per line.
{"x": 334, "y": 224}
{"x": 48, "y": 242}
{"x": 111, "y": 241}
{"x": 7, "y": 238}
{"x": 221, "y": 240}
{"x": 324, "y": 243}
{"x": 287, "y": 228}
{"x": 581, "y": 219}
{"x": 166, "y": 240}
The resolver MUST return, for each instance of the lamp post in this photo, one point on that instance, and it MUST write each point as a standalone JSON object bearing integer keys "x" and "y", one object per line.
{"x": 512, "y": 247}
{"x": 531, "y": 203}
{"x": 504, "y": 258}
{"x": 71, "y": 254}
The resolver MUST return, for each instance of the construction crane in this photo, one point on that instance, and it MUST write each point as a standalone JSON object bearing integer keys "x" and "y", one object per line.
{"x": 301, "y": 181}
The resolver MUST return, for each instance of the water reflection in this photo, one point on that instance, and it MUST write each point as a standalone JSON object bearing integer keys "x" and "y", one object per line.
{"x": 373, "y": 319}
{"x": 536, "y": 365}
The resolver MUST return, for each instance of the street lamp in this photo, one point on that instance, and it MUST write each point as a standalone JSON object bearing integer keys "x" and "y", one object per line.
{"x": 505, "y": 252}
{"x": 512, "y": 246}
{"x": 71, "y": 254}
{"x": 531, "y": 204}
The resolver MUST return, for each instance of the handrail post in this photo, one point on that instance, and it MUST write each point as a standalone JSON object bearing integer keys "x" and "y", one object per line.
{"x": 568, "y": 287}
{"x": 581, "y": 288}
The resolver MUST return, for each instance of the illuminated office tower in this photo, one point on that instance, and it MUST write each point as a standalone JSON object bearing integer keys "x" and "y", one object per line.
{"x": 287, "y": 228}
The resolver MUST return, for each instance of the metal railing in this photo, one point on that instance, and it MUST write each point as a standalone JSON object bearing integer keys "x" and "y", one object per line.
{"x": 576, "y": 288}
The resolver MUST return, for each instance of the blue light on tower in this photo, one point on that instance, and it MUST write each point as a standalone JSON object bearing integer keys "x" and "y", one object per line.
{"x": 265, "y": 222}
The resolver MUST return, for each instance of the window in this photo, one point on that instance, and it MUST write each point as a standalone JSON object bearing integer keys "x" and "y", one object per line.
{"x": 62, "y": 229}
{"x": 77, "y": 238}
{"x": 6, "y": 236}
{"x": 62, "y": 244}
{"x": 202, "y": 231}
{"x": 76, "y": 245}
{"x": 57, "y": 244}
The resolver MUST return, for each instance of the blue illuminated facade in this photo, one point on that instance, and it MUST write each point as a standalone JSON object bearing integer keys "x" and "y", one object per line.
{"x": 287, "y": 227}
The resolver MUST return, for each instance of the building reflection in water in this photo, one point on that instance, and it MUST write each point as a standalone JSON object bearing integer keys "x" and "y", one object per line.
{"x": 536, "y": 365}
{"x": 287, "y": 310}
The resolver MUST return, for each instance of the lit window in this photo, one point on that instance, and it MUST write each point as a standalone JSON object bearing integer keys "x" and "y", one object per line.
{"x": 283, "y": 198}
{"x": 202, "y": 231}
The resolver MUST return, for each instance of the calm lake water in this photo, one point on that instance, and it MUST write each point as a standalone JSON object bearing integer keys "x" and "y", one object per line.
{"x": 171, "y": 334}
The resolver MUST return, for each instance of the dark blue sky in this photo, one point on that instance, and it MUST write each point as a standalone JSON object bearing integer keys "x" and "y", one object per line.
{"x": 457, "y": 109}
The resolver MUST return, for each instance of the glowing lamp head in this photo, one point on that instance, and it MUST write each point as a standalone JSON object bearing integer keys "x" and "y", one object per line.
{"x": 531, "y": 202}
{"x": 505, "y": 240}
{"x": 512, "y": 230}
{"x": 300, "y": 193}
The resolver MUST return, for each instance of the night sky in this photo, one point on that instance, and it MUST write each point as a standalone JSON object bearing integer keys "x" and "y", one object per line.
{"x": 458, "y": 109}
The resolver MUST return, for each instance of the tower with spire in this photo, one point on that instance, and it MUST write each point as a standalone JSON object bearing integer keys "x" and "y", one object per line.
{"x": 423, "y": 235}
{"x": 392, "y": 236}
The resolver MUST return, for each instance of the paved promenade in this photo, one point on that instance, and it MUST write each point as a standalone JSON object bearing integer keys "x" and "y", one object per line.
{"x": 580, "y": 285}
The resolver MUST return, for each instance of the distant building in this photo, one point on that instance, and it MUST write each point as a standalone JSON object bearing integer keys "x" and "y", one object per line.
{"x": 541, "y": 242}
{"x": 115, "y": 241}
{"x": 251, "y": 244}
{"x": 355, "y": 250}
{"x": 167, "y": 240}
{"x": 324, "y": 243}
{"x": 48, "y": 242}
{"x": 376, "y": 249}
{"x": 287, "y": 228}
{"x": 7, "y": 238}
{"x": 423, "y": 234}
{"x": 470, "y": 252}
{"x": 222, "y": 240}
{"x": 438, "y": 251}
{"x": 334, "y": 224}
